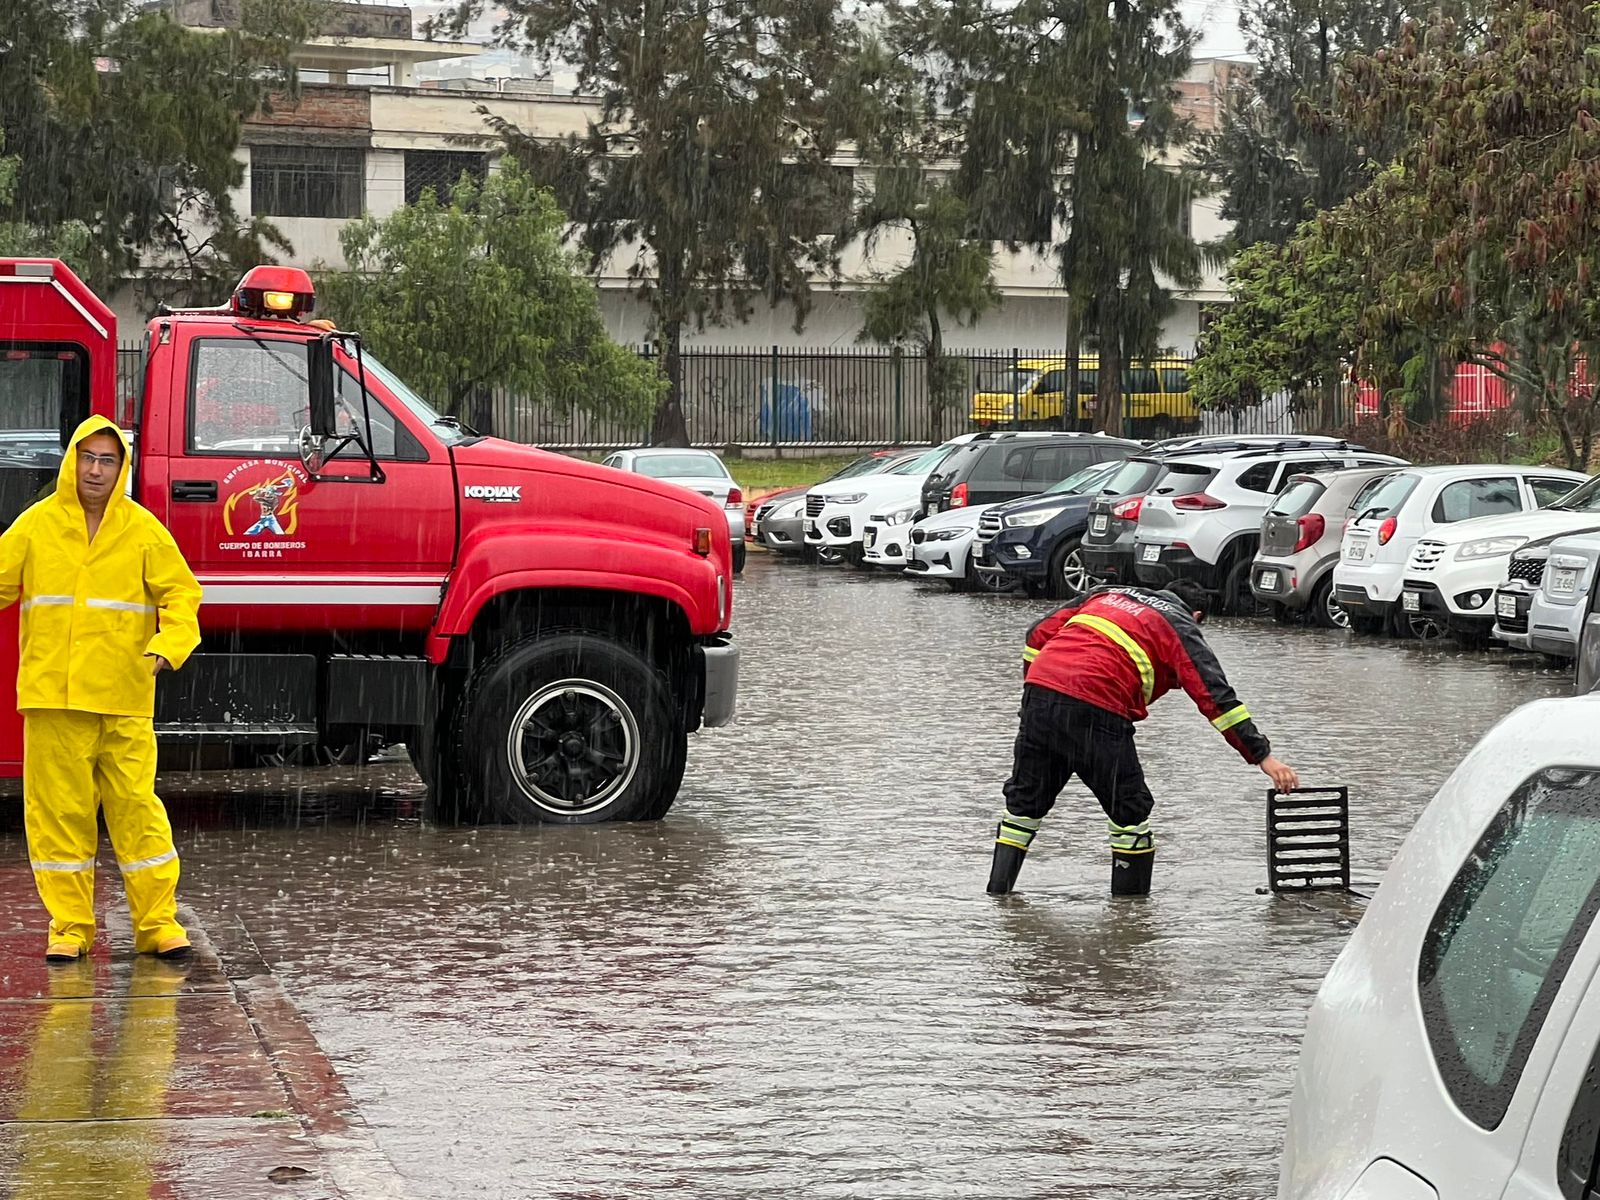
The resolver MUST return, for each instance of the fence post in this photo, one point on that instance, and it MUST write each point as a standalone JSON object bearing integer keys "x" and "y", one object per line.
{"x": 899, "y": 393}
{"x": 1016, "y": 397}
{"x": 772, "y": 404}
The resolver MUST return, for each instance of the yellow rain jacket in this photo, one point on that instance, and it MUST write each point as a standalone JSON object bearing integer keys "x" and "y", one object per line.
{"x": 91, "y": 613}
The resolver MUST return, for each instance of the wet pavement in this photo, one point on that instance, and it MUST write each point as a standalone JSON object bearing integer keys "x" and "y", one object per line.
{"x": 794, "y": 985}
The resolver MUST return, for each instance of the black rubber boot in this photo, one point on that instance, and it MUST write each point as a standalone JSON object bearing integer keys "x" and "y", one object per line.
{"x": 1130, "y": 873}
{"x": 1003, "y": 874}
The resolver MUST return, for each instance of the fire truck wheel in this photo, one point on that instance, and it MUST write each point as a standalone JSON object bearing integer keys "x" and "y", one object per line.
{"x": 570, "y": 729}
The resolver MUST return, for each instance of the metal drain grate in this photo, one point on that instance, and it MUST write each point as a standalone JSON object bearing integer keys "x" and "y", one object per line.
{"x": 1308, "y": 839}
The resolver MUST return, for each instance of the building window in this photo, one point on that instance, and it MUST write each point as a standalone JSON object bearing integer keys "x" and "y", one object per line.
{"x": 306, "y": 181}
{"x": 441, "y": 170}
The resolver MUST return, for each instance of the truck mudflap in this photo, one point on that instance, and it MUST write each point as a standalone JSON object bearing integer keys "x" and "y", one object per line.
{"x": 719, "y": 667}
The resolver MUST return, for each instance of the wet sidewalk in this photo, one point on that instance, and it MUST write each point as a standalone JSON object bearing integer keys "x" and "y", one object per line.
{"x": 124, "y": 1076}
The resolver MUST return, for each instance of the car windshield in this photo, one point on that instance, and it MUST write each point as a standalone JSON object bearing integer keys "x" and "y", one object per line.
{"x": 1132, "y": 478}
{"x": 1586, "y": 498}
{"x": 1296, "y": 499}
{"x": 924, "y": 462}
{"x": 1385, "y": 500}
{"x": 1007, "y": 381}
{"x": 1082, "y": 482}
{"x": 871, "y": 464}
{"x": 680, "y": 466}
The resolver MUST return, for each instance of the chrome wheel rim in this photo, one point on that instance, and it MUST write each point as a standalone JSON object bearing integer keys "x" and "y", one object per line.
{"x": 1074, "y": 575}
{"x": 1336, "y": 612}
{"x": 573, "y": 746}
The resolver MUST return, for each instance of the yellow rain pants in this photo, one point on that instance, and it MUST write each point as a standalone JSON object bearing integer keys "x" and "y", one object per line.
{"x": 75, "y": 763}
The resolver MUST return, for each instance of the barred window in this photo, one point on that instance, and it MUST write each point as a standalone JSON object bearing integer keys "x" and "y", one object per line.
{"x": 440, "y": 170}
{"x": 307, "y": 181}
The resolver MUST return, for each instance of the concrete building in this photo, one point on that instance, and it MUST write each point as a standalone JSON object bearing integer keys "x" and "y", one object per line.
{"x": 383, "y": 115}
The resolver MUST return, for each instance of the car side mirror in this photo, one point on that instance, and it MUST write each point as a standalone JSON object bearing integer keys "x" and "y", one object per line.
{"x": 320, "y": 381}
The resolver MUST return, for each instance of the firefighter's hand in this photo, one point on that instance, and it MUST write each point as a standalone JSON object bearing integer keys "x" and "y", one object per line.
{"x": 1281, "y": 773}
{"x": 158, "y": 664}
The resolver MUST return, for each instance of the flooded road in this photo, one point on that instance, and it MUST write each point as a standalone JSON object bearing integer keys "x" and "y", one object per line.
{"x": 795, "y": 985}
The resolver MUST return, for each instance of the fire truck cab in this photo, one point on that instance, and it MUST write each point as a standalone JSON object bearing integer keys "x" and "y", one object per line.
{"x": 542, "y": 633}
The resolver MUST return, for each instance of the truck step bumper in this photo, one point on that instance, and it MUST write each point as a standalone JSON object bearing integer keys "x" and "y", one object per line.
{"x": 721, "y": 683}
{"x": 237, "y": 734}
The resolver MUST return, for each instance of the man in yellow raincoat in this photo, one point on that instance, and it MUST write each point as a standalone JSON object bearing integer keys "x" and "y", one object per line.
{"x": 107, "y": 604}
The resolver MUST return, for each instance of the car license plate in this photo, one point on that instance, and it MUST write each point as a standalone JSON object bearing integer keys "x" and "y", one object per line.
{"x": 1267, "y": 581}
{"x": 1564, "y": 579}
{"x": 811, "y": 526}
{"x": 1505, "y": 606}
{"x": 1411, "y": 601}
{"x": 1099, "y": 524}
{"x": 1149, "y": 553}
{"x": 1358, "y": 551}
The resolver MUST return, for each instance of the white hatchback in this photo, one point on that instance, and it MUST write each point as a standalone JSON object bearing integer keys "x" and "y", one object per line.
{"x": 1413, "y": 503}
{"x": 1453, "y": 1050}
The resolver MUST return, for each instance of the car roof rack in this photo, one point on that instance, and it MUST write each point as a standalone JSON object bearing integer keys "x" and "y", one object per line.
{"x": 1246, "y": 449}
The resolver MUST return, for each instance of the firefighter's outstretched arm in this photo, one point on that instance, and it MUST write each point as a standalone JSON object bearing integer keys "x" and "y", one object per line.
{"x": 1203, "y": 678}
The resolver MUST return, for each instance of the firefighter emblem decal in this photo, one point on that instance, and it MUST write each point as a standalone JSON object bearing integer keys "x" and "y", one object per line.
{"x": 263, "y": 504}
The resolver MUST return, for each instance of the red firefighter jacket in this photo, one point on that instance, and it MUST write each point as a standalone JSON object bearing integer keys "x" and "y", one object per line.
{"x": 1122, "y": 648}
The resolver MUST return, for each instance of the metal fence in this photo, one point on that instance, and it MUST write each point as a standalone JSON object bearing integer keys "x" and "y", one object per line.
{"x": 778, "y": 398}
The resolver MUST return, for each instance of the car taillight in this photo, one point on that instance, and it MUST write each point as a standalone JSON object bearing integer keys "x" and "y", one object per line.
{"x": 1312, "y": 527}
{"x": 1200, "y": 503}
{"x": 1386, "y": 530}
{"x": 1128, "y": 510}
{"x": 958, "y": 496}
{"x": 735, "y": 498}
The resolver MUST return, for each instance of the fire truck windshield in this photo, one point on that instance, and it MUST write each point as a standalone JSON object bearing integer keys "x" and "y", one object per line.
{"x": 447, "y": 429}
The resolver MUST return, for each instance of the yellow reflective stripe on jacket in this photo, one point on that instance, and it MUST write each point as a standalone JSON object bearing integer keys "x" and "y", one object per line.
{"x": 1029, "y": 653}
{"x": 1119, "y": 635}
{"x": 1234, "y": 716}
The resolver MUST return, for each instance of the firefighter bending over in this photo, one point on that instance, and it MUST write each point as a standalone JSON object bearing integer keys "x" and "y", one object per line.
{"x": 1091, "y": 670}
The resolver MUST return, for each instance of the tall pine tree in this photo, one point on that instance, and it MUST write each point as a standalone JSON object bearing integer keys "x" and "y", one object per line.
{"x": 705, "y": 175}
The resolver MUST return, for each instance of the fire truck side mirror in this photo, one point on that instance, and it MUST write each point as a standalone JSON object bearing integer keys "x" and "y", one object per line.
{"x": 320, "y": 376}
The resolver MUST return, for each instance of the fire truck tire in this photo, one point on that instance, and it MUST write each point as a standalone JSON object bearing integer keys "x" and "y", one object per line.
{"x": 568, "y": 729}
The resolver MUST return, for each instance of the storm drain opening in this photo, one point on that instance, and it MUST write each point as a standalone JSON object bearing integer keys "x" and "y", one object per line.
{"x": 1308, "y": 839}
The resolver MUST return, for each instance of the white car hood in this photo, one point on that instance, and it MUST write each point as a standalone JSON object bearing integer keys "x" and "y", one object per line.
{"x": 957, "y": 518}
{"x": 1539, "y": 523}
{"x": 878, "y": 489}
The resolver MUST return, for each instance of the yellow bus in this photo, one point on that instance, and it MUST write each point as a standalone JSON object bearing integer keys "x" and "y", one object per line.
{"x": 1155, "y": 396}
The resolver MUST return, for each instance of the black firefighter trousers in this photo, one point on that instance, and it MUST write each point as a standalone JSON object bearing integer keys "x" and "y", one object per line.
{"x": 1061, "y": 736}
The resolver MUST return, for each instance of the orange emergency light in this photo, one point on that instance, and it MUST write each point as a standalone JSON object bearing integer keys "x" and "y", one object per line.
{"x": 271, "y": 291}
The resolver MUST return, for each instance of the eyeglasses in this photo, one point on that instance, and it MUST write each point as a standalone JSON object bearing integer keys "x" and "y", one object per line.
{"x": 104, "y": 460}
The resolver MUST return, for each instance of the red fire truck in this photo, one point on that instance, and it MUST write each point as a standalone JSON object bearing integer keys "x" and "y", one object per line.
{"x": 542, "y": 633}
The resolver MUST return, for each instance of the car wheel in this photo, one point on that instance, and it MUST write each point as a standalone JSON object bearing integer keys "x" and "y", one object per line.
{"x": 1282, "y": 614}
{"x": 569, "y": 729}
{"x": 830, "y": 556}
{"x": 1237, "y": 598}
{"x": 1325, "y": 607}
{"x": 996, "y": 583}
{"x": 1419, "y": 626}
{"x": 1068, "y": 576}
{"x": 738, "y": 557}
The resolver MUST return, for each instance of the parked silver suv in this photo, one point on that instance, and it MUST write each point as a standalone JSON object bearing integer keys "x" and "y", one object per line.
{"x": 1300, "y": 536}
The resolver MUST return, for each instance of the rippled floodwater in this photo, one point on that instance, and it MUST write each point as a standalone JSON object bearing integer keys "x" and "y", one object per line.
{"x": 795, "y": 985}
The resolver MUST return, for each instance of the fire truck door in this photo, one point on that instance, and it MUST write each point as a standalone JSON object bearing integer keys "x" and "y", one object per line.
{"x": 263, "y": 536}
{"x": 44, "y": 393}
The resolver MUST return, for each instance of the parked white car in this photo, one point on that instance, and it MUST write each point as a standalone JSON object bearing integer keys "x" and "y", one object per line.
{"x": 1451, "y": 574}
{"x": 886, "y": 537}
{"x": 1550, "y": 620}
{"x": 941, "y": 547}
{"x": 1411, "y": 505}
{"x": 699, "y": 471}
{"x": 837, "y": 512}
{"x": 1454, "y": 1047}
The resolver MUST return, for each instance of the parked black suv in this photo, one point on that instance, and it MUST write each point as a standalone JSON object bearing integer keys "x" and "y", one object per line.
{"x": 995, "y": 467}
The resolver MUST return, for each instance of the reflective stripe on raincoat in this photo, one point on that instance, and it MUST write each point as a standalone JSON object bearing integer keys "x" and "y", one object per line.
{"x": 91, "y": 613}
